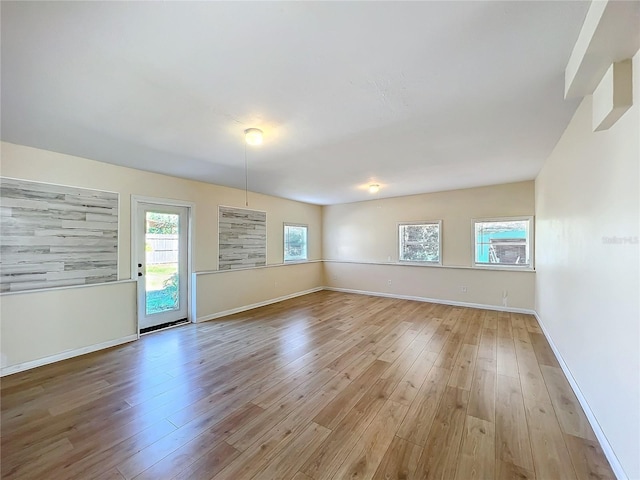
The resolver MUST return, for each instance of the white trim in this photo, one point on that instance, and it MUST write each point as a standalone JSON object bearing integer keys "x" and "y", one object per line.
{"x": 454, "y": 303}
{"x": 432, "y": 265}
{"x": 257, "y": 305}
{"x": 162, "y": 201}
{"x": 20, "y": 367}
{"x": 67, "y": 287}
{"x": 244, "y": 269}
{"x": 58, "y": 184}
{"x": 600, "y": 435}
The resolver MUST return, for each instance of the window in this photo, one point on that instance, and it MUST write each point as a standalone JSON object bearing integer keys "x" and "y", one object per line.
{"x": 503, "y": 242}
{"x": 420, "y": 242}
{"x": 295, "y": 243}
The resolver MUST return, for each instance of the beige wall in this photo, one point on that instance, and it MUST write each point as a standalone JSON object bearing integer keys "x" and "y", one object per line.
{"x": 40, "y": 165}
{"x": 50, "y": 323}
{"x": 587, "y": 282}
{"x": 242, "y": 288}
{"x": 45, "y": 166}
{"x": 366, "y": 232}
{"x": 490, "y": 288}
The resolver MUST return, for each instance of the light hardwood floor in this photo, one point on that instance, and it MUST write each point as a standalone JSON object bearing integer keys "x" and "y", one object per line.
{"x": 328, "y": 385}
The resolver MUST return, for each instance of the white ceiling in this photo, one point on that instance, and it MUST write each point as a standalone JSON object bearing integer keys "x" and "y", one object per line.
{"x": 416, "y": 96}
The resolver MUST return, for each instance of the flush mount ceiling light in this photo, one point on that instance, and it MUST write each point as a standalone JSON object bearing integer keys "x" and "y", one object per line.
{"x": 253, "y": 136}
{"x": 374, "y": 188}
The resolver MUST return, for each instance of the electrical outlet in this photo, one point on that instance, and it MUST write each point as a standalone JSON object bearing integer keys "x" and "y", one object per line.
{"x": 389, "y": 282}
{"x": 463, "y": 289}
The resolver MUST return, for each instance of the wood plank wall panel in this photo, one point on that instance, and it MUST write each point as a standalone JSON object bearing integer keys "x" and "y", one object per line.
{"x": 242, "y": 238}
{"x": 53, "y": 235}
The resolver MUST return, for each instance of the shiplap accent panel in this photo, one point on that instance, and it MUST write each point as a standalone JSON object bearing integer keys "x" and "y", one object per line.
{"x": 242, "y": 238}
{"x": 53, "y": 236}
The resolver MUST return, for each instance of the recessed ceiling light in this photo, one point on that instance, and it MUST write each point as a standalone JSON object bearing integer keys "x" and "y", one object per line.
{"x": 374, "y": 188}
{"x": 253, "y": 136}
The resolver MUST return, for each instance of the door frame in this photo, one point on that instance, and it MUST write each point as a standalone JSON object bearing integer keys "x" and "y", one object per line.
{"x": 190, "y": 206}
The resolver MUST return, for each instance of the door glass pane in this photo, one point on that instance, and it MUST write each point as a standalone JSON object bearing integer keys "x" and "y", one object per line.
{"x": 161, "y": 258}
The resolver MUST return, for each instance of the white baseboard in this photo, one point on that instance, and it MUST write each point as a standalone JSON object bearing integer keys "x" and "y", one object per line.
{"x": 600, "y": 435}
{"x": 482, "y": 306}
{"x": 21, "y": 367}
{"x": 244, "y": 308}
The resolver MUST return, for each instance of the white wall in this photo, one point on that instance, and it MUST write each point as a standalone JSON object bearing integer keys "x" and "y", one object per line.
{"x": 361, "y": 233}
{"x": 45, "y": 166}
{"x": 587, "y": 256}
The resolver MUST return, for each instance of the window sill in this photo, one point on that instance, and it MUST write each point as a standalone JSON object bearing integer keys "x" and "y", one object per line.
{"x": 435, "y": 265}
{"x": 510, "y": 268}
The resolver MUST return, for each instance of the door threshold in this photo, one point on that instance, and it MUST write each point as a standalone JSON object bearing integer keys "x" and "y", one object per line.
{"x": 164, "y": 326}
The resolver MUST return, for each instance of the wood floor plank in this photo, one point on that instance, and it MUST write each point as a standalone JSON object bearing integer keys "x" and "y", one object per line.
{"x": 520, "y": 332}
{"x": 273, "y": 442}
{"x": 512, "y": 432}
{"x": 369, "y": 450}
{"x": 335, "y": 411}
{"x": 488, "y": 344}
{"x": 482, "y": 399}
{"x": 417, "y": 423}
{"x": 509, "y": 471}
{"x": 203, "y": 445}
{"x": 292, "y": 458}
{"x": 113, "y": 474}
{"x": 404, "y": 389}
{"x": 550, "y": 455}
{"x": 400, "y": 461}
{"x": 300, "y": 476}
{"x": 328, "y": 457}
{"x": 506, "y": 357}
{"x": 27, "y": 466}
{"x": 463, "y": 368}
{"x": 439, "y": 458}
{"x": 396, "y": 348}
{"x": 210, "y": 464}
{"x": 405, "y": 361}
{"x": 293, "y": 402}
{"x": 477, "y": 454}
{"x": 532, "y": 324}
{"x": 411, "y": 382}
{"x": 543, "y": 350}
{"x": 570, "y": 415}
{"x": 588, "y": 458}
{"x": 100, "y": 461}
{"x": 491, "y": 320}
{"x": 533, "y": 385}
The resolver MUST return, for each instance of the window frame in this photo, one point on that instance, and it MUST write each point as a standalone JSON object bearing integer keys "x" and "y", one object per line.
{"x": 284, "y": 239}
{"x": 420, "y": 262}
{"x": 530, "y": 219}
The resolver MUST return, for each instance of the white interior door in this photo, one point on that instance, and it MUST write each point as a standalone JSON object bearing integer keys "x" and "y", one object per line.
{"x": 161, "y": 252}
